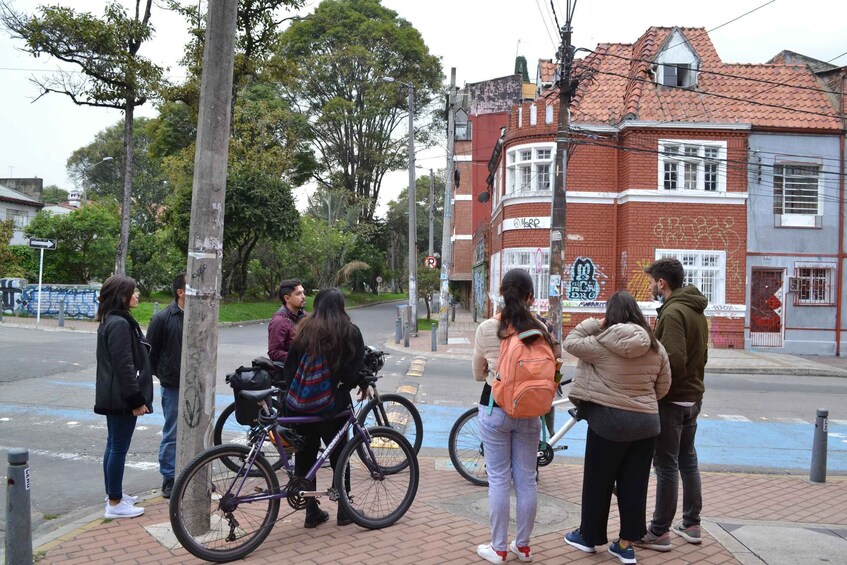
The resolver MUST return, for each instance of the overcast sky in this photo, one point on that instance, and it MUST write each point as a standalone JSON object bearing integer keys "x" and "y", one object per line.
{"x": 479, "y": 37}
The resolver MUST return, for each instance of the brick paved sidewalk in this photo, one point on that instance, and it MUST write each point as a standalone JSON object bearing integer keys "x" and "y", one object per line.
{"x": 449, "y": 518}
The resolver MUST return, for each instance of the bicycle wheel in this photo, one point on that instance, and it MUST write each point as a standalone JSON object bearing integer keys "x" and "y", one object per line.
{"x": 465, "y": 448}
{"x": 376, "y": 499}
{"x": 396, "y": 412}
{"x": 228, "y": 430}
{"x": 218, "y": 514}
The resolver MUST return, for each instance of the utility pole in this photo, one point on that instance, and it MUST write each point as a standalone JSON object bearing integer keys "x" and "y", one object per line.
{"x": 446, "y": 229}
{"x": 431, "y": 206}
{"x": 205, "y": 250}
{"x": 558, "y": 216}
{"x": 413, "y": 217}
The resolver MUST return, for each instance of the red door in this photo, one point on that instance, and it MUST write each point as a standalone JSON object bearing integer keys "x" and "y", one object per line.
{"x": 766, "y": 308}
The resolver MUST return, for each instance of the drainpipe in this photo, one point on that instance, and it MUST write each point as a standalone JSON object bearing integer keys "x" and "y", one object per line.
{"x": 840, "y": 266}
{"x": 615, "y": 249}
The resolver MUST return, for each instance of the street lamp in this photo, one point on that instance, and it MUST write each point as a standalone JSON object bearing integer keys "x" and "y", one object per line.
{"x": 85, "y": 189}
{"x": 413, "y": 251}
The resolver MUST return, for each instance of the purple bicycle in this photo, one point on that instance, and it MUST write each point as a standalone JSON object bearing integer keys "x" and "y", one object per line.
{"x": 227, "y": 500}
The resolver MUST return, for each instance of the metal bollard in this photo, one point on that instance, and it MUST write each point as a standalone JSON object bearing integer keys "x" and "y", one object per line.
{"x": 435, "y": 337}
{"x": 18, "y": 517}
{"x": 155, "y": 307}
{"x": 453, "y": 315}
{"x": 818, "y": 472}
{"x": 398, "y": 330}
{"x": 474, "y": 313}
{"x": 62, "y": 313}
{"x": 406, "y": 336}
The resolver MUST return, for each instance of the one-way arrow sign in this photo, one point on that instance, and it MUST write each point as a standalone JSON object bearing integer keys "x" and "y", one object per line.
{"x": 41, "y": 243}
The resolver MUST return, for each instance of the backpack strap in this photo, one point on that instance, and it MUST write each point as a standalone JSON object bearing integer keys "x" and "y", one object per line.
{"x": 529, "y": 333}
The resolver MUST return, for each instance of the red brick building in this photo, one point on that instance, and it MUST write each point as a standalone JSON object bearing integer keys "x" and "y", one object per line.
{"x": 658, "y": 154}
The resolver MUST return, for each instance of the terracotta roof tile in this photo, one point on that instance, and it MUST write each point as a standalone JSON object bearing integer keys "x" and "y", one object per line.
{"x": 546, "y": 70}
{"x": 622, "y": 86}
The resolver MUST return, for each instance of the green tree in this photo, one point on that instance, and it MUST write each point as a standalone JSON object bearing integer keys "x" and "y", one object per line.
{"x": 333, "y": 62}
{"x": 52, "y": 194}
{"x": 429, "y": 284}
{"x": 10, "y": 264}
{"x": 87, "y": 239}
{"x": 112, "y": 74}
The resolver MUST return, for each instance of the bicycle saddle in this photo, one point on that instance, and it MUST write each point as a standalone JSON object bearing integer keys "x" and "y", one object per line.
{"x": 257, "y": 395}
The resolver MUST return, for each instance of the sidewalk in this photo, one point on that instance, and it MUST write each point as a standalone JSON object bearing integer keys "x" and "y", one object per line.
{"x": 747, "y": 519}
{"x": 460, "y": 335}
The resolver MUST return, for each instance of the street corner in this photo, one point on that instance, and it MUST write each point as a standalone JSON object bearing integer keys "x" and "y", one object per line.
{"x": 779, "y": 544}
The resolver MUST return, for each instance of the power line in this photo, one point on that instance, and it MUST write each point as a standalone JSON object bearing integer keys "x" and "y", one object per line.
{"x": 544, "y": 21}
{"x": 717, "y": 73}
{"x": 742, "y": 15}
{"x": 834, "y": 115}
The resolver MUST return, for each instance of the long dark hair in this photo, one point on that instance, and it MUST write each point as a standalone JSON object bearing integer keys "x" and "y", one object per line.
{"x": 115, "y": 295}
{"x": 517, "y": 290}
{"x": 623, "y": 309}
{"x": 327, "y": 330}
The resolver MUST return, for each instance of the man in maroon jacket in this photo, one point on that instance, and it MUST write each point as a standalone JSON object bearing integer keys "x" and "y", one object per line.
{"x": 281, "y": 328}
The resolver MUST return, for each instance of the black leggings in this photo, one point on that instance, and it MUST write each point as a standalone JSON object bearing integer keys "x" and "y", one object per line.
{"x": 627, "y": 464}
{"x": 313, "y": 433}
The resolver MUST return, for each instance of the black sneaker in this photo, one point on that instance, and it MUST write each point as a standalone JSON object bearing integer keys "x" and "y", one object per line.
{"x": 167, "y": 487}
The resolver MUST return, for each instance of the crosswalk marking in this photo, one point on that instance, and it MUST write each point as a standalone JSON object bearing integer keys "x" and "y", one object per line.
{"x": 733, "y": 418}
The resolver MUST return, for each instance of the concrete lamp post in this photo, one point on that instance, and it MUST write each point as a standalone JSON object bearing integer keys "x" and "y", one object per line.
{"x": 413, "y": 252}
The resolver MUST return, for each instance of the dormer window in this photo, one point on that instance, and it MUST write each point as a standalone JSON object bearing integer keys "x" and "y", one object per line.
{"x": 680, "y": 74}
{"x": 677, "y": 63}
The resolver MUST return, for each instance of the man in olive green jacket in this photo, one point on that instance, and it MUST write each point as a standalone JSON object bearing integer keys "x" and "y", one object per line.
{"x": 681, "y": 327}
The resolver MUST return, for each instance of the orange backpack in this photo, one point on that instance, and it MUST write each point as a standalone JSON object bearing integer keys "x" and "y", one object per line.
{"x": 524, "y": 385}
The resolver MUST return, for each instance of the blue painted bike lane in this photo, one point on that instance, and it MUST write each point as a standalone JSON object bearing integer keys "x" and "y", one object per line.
{"x": 768, "y": 445}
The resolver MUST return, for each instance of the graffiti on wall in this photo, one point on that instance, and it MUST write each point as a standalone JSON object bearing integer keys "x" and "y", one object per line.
{"x": 585, "y": 283}
{"x": 698, "y": 233}
{"x": 639, "y": 284}
{"x": 79, "y": 301}
{"x": 480, "y": 287}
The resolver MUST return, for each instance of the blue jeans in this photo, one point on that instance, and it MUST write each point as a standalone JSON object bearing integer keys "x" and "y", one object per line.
{"x": 120, "y": 430}
{"x": 511, "y": 450}
{"x": 676, "y": 457}
{"x": 167, "y": 450}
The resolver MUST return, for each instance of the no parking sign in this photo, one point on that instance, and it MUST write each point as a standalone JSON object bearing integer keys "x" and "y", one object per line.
{"x": 431, "y": 262}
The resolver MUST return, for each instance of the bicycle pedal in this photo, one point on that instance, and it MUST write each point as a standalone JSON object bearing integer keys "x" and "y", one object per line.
{"x": 560, "y": 448}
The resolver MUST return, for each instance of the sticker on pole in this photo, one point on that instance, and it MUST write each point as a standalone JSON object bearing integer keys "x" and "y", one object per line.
{"x": 431, "y": 261}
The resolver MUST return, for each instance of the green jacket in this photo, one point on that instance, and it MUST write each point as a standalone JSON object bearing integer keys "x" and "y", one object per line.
{"x": 682, "y": 329}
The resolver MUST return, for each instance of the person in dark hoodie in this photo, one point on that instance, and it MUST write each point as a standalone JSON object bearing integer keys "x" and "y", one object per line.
{"x": 682, "y": 329}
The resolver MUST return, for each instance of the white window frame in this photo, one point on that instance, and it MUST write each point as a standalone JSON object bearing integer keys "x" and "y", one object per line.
{"x": 525, "y": 258}
{"x": 520, "y": 169}
{"x": 685, "y": 156}
{"x": 800, "y": 217}
{"x": 20, "y": 218}
{"x": 693, "y": 262}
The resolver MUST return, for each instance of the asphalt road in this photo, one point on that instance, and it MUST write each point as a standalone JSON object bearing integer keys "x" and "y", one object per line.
{"x": 47, "y": 391}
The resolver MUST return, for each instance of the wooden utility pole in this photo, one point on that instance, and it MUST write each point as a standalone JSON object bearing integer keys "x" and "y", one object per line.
{"x": 205, "y": 249}
{"x": 558, "y": 216}
{"x": 446, "y": 229}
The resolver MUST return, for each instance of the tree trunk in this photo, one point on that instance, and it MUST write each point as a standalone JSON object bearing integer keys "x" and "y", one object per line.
{"x": 123, "y": 244}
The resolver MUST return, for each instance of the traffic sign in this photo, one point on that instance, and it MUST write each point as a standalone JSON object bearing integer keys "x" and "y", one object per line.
{"x": 431, "y": 262}
{"x": 379, "y": 280}
{"x": 42, "y": 243}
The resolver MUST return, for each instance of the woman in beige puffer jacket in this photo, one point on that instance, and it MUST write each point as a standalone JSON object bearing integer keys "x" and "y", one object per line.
{"x": 622, "y": 373}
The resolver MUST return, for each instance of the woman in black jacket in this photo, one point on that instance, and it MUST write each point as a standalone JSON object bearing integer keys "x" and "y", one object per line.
{"x": 124, "y": 388}
{"x": 325, "y": 338}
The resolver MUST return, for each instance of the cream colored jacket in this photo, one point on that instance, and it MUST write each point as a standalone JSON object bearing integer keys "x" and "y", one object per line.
{"x": 487, "y": 350}
{"x": 617, "y": 368}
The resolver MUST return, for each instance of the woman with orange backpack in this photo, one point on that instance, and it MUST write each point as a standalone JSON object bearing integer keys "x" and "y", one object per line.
{"x": 510, "y": 442}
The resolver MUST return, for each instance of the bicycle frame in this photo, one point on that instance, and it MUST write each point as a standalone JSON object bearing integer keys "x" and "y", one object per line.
{"x": 566, "y": 427}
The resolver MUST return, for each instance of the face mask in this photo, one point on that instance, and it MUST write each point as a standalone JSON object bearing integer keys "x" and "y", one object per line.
{"x": 660, "y": 299}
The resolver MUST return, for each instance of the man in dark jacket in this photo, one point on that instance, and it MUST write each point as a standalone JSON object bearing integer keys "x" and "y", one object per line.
{"x": 281, "y": 328}
{"x": 165, "y": 337}
{"x": 682, "y": 329}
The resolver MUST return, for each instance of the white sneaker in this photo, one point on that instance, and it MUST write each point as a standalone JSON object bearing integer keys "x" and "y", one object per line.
{"x": 123, "y": 510}
{"x": 489, "y": 554}
{"x": 131, "y": 500}
{"x": 524, "y": 553}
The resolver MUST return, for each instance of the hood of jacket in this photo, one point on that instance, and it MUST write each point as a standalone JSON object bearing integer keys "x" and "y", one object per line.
{"x": 688, "y": 296}
{"x": 627, "y": 340}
